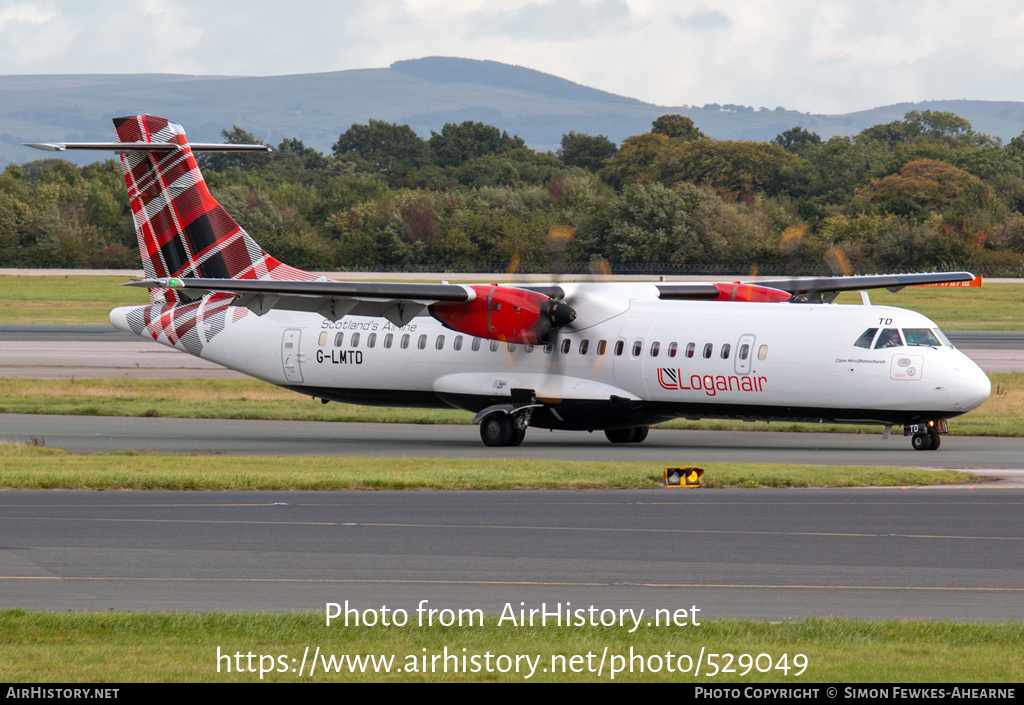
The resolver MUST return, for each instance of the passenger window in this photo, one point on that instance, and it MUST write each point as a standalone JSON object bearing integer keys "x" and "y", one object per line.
{"x": 864, "y": 341}
{"x": 354, "y": 341}
{"x": 511, "y": 347}
{"x": 439, "y": 344}
{"x": 690, "y": 348}
{"x": 371, "y": 340}
{"x": 638, "y": 347}
{"x": 422, "y": 342}
{"x": 339, "y": 339}
{"x": 708, "y": 349}
{"x": 405, "y": 341}
{"x": 744, "y": 351}
{"x": 602, "y": 346}
{"x": 388, "y": 339}
{"x": 476, "y": 344}
{"x": 673, "y": 348}
{"x": 323, "y": 339}
{"x": 549, "y": 347}
{"x": 528, "y": 348}
{"x": 655, "y": 348}
{"x": 584, "y": 346}
{"x": 457, "y": 343}
{"x": 620, "y": 345}
{"x": 889, "y": 338}
{"x": 762, "y": 352}
{"x": 725, "y": 351}
{"x": 566, "y": 345}
{"x": 494, "y": 346}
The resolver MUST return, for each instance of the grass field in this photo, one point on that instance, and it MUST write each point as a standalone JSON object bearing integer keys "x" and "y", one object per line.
{"x": 32, "y": 467}
{"x": 40, "y": 647}
{"x": 1001, "y": 415}
{"x": 88, "y": 299}
{"x": 998, "y": 306}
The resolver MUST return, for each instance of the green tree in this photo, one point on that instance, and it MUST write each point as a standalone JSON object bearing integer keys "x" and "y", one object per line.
{"x": 735, "y": 166}
{"x": 651, "y": 224}
{"x": 798, "y": 141}
{"x": 676, "y": 127}
{"x": 384, "y": 145}
{"x": 234, "y": 161}
{"x": 589, "y": 152}
{"x": 462, "y": 143}
{"x": 634, "y": 159}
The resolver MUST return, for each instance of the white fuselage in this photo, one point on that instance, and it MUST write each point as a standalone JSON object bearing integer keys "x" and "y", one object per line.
{"x": 644, "y": 360}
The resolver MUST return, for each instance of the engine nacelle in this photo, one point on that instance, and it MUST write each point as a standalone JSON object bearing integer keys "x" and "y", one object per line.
{"x": 735, "y": 291}
{"x": 507, "y": 314}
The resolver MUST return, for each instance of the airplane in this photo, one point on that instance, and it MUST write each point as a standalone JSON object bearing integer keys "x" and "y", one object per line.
{"x": 588, "y": 356}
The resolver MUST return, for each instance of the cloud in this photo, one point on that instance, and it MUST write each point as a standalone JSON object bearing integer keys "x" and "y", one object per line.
{"x": 560, "y": 21}
{"x": 702, "y": 20}
{"x": 810, "y": 55}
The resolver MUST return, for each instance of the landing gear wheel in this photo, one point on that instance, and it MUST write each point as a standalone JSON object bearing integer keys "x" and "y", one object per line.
{"x": 639, "y": 434}
{"x": 921, "y": 441}
{"x": 517, "y": 436}
{"x": 497, "y": 430}
{"x": 620, "y": 435}
{"x": 935, "y": 439}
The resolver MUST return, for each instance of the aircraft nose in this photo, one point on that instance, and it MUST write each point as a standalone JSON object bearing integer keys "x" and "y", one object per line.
{"x": 968, "y": 385}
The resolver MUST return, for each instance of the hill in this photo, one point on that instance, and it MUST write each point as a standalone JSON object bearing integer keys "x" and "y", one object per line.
{"x": 423, "y": 93}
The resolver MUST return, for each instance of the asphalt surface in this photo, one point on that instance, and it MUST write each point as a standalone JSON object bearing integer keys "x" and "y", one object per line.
{"x": 91, "y": 434}
{"x": 926, "y": 553}
{"x": 771, "y": 554}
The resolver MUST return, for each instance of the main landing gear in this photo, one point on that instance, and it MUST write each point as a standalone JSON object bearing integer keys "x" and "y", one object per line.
{"x": 508, "y": 428}
{"x": 502, "y": 429}
{"x": 925, "y": 436}
{"x": 627, "y": 435}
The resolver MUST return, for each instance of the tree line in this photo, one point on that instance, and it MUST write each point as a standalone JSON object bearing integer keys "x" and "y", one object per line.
{"x": 925, "y": 192}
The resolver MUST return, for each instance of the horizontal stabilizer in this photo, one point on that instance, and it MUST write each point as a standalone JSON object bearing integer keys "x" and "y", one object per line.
{"x": 125, "y": 147}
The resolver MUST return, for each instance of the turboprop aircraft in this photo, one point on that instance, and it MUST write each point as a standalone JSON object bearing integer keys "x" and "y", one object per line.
{"x": 614, "y": 357}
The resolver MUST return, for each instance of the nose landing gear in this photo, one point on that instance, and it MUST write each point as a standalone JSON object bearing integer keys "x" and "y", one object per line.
{"x": 926, "y": 436}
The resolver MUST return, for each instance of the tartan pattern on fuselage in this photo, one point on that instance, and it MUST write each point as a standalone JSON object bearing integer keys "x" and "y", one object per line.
{"x": 184, "y": 232}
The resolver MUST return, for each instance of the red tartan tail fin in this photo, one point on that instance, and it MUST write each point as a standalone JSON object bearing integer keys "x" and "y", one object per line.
{"x": 182, "y": 230}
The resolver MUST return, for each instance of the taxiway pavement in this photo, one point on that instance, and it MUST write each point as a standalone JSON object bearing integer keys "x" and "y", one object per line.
{"x": 935, "y": 553}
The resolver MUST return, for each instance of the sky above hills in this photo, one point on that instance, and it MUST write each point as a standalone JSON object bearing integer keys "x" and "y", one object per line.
{"x": 821, "y": 56}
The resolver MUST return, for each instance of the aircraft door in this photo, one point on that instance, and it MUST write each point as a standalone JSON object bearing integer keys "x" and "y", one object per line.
{"x": 290, "y": 355}
{"x": 632, "y": 367}
{"x": 745, "y": 353}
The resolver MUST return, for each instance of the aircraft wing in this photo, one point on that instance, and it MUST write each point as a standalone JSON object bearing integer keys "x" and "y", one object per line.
{"x": 822, "y": 289}
{"x": 397, "y": 302}
{"x": 830, "y": 287}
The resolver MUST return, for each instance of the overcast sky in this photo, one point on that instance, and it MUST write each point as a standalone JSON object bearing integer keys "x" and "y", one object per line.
{"x": 820, "y": 56}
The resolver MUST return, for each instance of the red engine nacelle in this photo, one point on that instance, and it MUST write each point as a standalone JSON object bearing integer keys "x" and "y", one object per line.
{"x": 506, "y": 314}
{"x": 736, "y": 291}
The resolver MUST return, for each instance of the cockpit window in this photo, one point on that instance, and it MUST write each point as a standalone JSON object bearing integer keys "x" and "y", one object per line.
{"x": 864, "y": 341}
{"x": 888, "y": 338}
{"x": 920, "y": 336}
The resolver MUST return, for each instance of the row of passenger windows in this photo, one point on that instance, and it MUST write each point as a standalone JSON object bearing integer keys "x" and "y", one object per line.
{"x": 566, "y": 346}
{"x": 890, "y": 338}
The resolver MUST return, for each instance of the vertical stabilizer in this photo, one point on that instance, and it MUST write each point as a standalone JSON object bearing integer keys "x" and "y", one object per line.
{"x": 182, "y": 230}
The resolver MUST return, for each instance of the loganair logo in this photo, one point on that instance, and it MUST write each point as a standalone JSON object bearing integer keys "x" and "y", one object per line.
{"x": 709, "y": 384}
